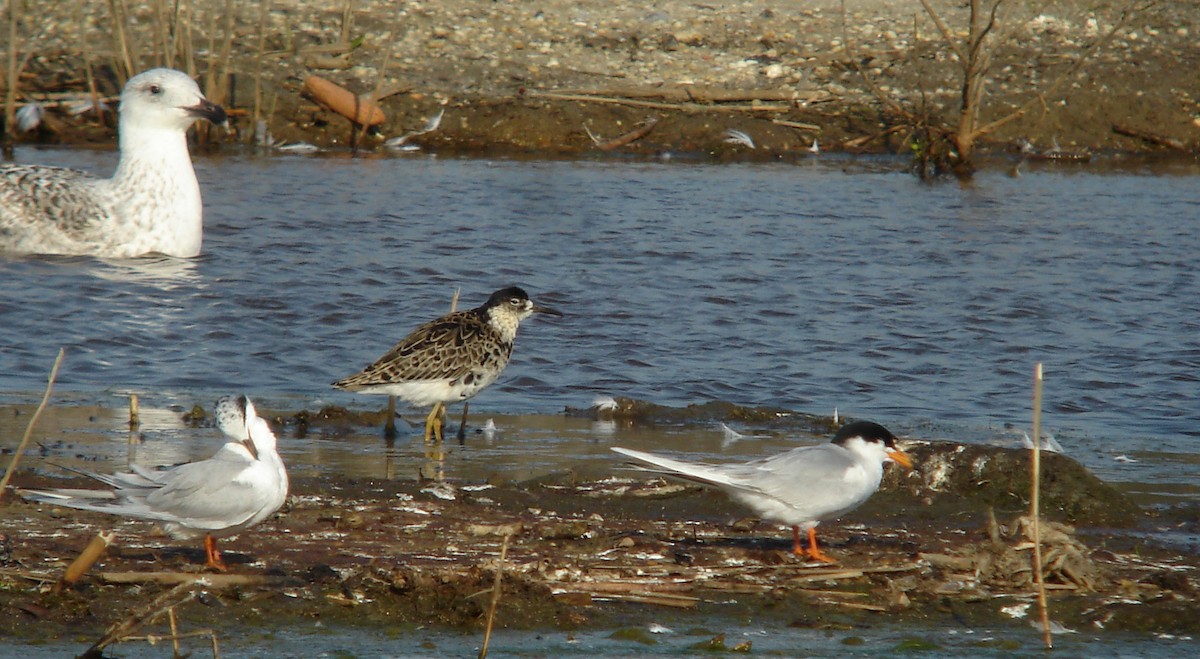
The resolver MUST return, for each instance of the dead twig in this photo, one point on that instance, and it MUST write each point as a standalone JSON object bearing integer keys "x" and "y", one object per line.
{"x": 88, "y": 557}
{"x": 12, "y": 466}
{"x": 141, "y": 616}
{"x": 628, "y": 138}
{"x": 676, "y": 107}
{"x": 176, "y": 578}
{"x": 796, "y": 124}
{"x": 1034, "y": 506}
{"x": 702, "y": 94}
{"x": 491, "y": 616}
{"x": 1169, "y": 142}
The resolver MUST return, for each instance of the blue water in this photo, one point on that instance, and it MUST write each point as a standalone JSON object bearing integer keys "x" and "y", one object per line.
{"x": 828, "y": 284}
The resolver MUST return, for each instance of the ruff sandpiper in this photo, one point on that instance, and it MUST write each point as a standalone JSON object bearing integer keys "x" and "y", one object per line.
{"x": 449, "y": 359}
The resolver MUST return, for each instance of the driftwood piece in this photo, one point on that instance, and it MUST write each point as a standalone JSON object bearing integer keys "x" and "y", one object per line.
{"x": 359, "y": 109}
{"x": 693, "y": 94}
{"x": 88, "y": 557}
{"x": 141, "y": 616}
{"x": 796, "y": 124}
{"x": 628, "y": 138}
{"x": 1146, "y": 136}
{"x": 678, "y": 107}
{"x": 210, "y": 580}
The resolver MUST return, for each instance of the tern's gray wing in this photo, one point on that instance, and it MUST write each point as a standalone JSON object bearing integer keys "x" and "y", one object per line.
{"x": 214, "y": 494}
{"x": 225, "y": 490}
{"x": 819, "y": 482}
{"x": 804, "y": 484}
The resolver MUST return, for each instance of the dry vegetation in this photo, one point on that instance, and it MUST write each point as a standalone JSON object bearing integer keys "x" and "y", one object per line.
{"x": 954, "y": 79}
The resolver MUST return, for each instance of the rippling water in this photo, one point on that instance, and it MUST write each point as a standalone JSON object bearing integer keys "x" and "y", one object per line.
{"x": 826, "y": 284}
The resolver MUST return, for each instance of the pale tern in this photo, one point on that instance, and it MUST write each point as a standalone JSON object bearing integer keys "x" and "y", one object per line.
{"x": 238, "y": 487}
{"x": 800, "y": 487}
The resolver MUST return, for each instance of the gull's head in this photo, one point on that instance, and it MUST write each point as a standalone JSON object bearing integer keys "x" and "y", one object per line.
{"x": 873, "y": 442}
{"x": 512, "y": 305}
{"x": 166, "y": 99}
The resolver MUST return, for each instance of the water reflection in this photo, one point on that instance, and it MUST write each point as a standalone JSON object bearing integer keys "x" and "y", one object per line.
{"x": 833, "y": 284}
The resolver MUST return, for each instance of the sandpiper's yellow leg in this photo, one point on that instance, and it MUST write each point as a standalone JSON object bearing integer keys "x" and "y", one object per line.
{"x": 434, "y": 422}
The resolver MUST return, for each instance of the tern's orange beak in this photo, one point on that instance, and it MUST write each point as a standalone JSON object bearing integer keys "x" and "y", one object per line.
{"x": 900, "y": 457}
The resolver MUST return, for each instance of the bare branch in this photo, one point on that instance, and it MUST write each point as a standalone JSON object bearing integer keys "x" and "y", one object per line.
{"x": 946, "y": 33}
{"x": 1126, "y": 14}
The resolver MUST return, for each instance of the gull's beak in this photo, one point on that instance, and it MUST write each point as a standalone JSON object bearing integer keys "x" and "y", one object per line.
{"x": 206, "y": 109}
{"x": 537, "y": 308}
{"x": 900, "y": 457}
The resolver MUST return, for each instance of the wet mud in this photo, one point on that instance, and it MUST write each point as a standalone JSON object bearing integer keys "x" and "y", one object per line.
{"x": 585, "y": 549}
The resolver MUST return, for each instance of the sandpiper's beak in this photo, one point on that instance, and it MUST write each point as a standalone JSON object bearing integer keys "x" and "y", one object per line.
{"x": 900, "y": 457}
{"x": 206, "y": 109}
{"x": 537, "y": 308}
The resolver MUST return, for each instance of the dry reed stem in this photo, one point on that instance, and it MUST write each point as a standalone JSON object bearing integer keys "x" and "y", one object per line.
{"x": 263, "y": 12}
{"x": 141, "y": 616}
{"x": 121, "y": 48}
{"x": 209, "y": 580}
{"x": 93, "y": 93}
{"x": 1035, "y": 504}
{"x": 86, "y": 559}
{"x": 174, "y": 629}
{"x": 12, "y": 466}
{"x": 347, "y": 20}
{"x": 184, "y": 16}
{"x": 680, "y": 107}
{"x": 491, "y": 617}
{"x": 10, "y": 94}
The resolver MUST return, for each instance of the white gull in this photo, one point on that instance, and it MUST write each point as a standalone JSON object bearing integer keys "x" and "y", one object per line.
{"x": 150, "y": 205}
{"x": 239, "y": 486}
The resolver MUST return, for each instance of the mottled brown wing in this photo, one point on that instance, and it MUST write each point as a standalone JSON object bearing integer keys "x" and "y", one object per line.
{"x": 450, "y": 347}
{"x": 53, "y": 195}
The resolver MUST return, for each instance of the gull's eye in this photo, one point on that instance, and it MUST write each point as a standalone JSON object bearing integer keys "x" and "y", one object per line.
{"x": 155, "y": 89}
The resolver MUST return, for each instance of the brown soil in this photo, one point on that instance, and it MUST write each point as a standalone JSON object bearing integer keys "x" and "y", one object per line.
{"x": 585, "y": 547}
{"x": 514, "y": 79}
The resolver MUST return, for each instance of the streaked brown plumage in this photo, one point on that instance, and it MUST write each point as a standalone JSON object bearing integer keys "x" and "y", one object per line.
{"x": 449, "y": 359}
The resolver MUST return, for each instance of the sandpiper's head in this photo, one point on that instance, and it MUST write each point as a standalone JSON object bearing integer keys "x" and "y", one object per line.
{"x": 872, "y": 440}
{"x": 165, "y": 99}
{"x": 514, "y": 303}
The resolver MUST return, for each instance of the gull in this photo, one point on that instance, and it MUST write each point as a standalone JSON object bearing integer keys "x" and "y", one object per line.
{"x": 800, "y": 487}
{"x": 451, "y": 358}
{"x": 239, "y": 486}
{"x": 150, "y": 205}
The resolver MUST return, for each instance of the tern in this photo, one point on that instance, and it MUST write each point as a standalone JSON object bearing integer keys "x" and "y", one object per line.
{"x": 801, "y": 487}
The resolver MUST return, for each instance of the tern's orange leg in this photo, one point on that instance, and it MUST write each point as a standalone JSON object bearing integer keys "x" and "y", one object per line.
{"x": 814, "y": 552}
{"x": 213, "y": 557}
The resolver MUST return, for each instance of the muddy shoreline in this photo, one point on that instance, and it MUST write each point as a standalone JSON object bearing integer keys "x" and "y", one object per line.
{"x": 594, "y": 549}
{"x": 570, "y": 79}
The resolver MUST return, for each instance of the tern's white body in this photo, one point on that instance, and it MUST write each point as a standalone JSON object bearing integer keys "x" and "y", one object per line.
{"x": 238, "y": 487}
{"x": 800, "y": 487}
{"x": 150, "y": 205}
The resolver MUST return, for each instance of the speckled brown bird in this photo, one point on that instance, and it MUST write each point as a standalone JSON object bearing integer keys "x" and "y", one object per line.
{"x": 449, "y": 359}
